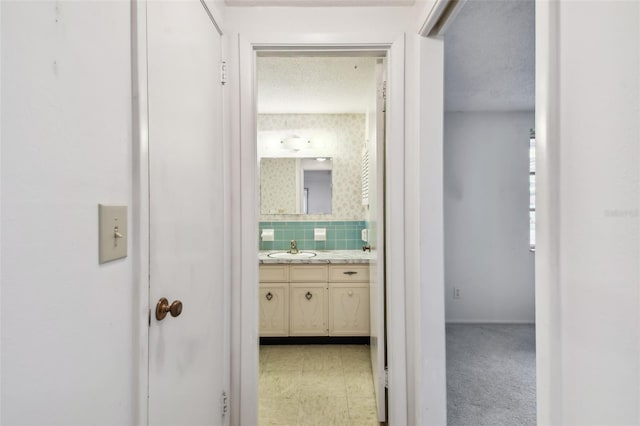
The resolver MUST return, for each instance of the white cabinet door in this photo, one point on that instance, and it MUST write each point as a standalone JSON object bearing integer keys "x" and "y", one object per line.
{"x": 308, "y": 309}
{"x": 274, "y": 309}
{"x": 188, "y": 354}
{"x": 348, "y": 309}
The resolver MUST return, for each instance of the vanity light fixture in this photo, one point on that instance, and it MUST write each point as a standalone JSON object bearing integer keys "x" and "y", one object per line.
{"x": 321, "y": 159}
{"x": 294, "y": 143}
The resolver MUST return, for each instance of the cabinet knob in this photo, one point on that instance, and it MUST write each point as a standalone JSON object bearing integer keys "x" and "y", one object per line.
{"x": 269, "y": 296}
{"x": 350, "y": 293}
{"x": 308, "y": 295}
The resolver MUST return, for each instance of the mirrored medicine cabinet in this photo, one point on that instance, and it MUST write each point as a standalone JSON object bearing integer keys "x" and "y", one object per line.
{"x": 296, "y": 185}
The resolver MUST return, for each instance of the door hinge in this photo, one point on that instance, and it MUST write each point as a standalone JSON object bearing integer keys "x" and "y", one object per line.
{"x": 386, "y": 377}
{"x": 224, "y": 402}
{"x": 223, "y": 72}
{"x": 384, "y": 96}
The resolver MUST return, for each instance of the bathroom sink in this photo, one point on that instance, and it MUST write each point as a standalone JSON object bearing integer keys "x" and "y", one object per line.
{"x": 287, "y": 255}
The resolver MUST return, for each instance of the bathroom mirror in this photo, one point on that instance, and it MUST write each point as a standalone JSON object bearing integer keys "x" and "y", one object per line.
{"x": 296, "y": 185}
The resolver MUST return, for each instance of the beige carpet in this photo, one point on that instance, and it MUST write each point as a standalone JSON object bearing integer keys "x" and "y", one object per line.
{"x": 491, "y": 374}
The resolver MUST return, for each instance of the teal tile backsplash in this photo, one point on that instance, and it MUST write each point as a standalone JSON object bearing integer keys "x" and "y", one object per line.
{"x": 341, "y": 235}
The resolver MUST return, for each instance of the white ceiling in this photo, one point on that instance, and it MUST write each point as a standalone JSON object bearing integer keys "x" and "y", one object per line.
{"x": 490, "y": 57}
{"x": 320, "y": 3}
{"x": 489, "y": 66}
{"x": 315, "y": 84}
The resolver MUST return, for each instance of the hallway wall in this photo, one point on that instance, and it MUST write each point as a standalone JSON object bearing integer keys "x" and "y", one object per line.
{"x": 486, "y": 217}
{"x": 322, "y": 20}
{"x": 587, "y": 265}
{"x": 67, "y": 322}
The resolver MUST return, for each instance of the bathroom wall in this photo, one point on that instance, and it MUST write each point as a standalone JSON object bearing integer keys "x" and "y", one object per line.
{"x": 68, "y": 323}
{"x": 486, "y": 205}
{"x": 340, "y": 136}
{"x": 341, "y": 235}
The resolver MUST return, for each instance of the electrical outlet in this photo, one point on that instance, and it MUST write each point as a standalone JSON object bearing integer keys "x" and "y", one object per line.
{"x": 456, "y": 293}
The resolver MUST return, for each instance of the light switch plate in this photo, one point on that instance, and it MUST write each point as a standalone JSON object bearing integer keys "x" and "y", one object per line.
{"x": 112, "y": 232}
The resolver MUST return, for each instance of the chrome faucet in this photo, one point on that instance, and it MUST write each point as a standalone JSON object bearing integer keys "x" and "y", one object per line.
{"x": 294, "y": 247}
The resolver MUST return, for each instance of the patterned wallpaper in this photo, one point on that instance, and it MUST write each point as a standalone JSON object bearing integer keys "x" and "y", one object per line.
{"x": 277, "y": 189}
{"x": 340, "y": 136}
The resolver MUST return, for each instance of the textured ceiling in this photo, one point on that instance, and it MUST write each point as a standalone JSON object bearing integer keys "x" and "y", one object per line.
{"x": 490, "y": 57}
{"x": 315, "y": 84}
{"x": 489, "y": 66}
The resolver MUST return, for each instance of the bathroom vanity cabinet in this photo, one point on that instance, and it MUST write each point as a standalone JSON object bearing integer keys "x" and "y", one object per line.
{"x": 314, "y": 300}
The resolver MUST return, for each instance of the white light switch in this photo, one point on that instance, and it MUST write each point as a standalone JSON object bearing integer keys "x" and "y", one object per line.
{"x": 112, "y": 242}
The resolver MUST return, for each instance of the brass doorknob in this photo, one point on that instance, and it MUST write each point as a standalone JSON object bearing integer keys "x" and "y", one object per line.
{"x": 163, "y": 308}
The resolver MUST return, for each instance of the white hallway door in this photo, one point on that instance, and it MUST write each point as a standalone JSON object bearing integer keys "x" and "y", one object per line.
{"x": 188, "y": 358}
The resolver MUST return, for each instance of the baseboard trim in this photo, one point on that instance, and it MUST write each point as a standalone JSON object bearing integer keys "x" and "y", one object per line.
{"x": 490, "y": 322}
{"x": 316, "y": 340}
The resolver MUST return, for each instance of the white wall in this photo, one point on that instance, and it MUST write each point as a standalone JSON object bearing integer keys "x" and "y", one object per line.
{"x": 314, "y": 21}
{"x": 486, "y": 217}
{"x": 67, "y": 322}
{"x": 425, "y": 273}
{"x": 587, "y": 266}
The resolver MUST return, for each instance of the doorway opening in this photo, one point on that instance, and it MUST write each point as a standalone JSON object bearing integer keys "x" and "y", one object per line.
{"x": 489, "y": 202}
{"x": 329, "y": 280}
{"x": 320, "y": 154}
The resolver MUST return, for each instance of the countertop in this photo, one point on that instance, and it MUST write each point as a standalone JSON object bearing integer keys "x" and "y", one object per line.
{"x": 322, "y": 256}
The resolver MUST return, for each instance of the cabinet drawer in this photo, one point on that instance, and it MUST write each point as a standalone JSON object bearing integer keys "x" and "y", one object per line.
{"x": 274, "y": 273}
{"x": 309, "y": 273}
{"x": 349, "y": 273}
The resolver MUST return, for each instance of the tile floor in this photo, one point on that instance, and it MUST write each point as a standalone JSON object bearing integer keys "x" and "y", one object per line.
{"x": 316, "y": 385}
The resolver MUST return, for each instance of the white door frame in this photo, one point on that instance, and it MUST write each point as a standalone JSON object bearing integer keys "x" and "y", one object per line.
{"x": 140, "y": 207}
{"x": 548, "y": 289}
{"x": 246, "y": 207}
